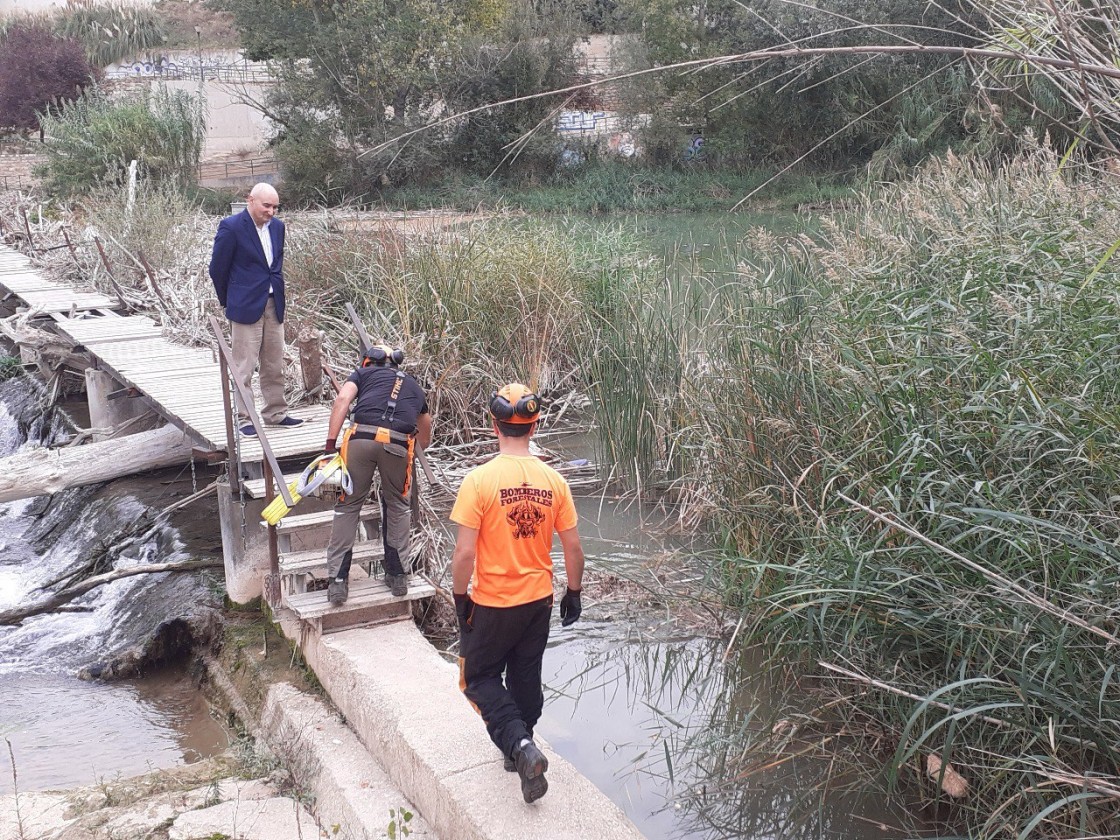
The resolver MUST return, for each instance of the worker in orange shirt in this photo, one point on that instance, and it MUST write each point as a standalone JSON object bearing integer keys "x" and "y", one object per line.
{"x": 507, "y": 510}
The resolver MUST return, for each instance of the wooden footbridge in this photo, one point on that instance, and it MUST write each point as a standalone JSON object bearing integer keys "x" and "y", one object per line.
{"x": 189, "y": 388}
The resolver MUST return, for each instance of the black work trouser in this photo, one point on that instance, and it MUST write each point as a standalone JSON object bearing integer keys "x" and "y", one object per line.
{"x": 507, "y": 641}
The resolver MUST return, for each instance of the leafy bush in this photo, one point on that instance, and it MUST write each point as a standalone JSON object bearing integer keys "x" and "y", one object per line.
{"x": 39, "y": 72}
{"x": 95, "y": 138}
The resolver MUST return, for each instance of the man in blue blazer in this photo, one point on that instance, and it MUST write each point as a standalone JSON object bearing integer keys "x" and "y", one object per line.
{"x": 247, "y": 267}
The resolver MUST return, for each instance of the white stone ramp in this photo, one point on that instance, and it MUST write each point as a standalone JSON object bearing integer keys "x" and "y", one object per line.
{"x": 403, "y": 701}
{"x": 354, "y": 798}
{"x": 276, "y": 818}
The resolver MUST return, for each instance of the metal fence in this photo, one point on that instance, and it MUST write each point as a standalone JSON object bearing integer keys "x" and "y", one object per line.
{"x": 227, "y": 170}
{"x": 10, "y": 183}
{"x": 239, "y": 73}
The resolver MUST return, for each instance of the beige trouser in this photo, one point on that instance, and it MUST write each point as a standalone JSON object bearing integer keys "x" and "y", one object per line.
{"x": 263, "y": 342}
{"x": 362, "y": 458}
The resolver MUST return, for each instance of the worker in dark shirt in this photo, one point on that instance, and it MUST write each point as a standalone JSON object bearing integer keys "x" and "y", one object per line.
{"x": 390, "y": 418}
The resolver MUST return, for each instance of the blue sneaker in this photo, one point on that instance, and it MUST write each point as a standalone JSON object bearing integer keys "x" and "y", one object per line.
{"x": 248, "y": 430}
{"x": 288, "y": 421}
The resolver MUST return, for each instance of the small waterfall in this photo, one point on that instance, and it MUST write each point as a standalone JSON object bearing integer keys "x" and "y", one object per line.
{"x": 66, "y": 731}
{"x": 45, "y": 538}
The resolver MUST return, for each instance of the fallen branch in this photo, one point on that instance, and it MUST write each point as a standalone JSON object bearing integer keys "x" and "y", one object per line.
{"x": 51, "y": 604}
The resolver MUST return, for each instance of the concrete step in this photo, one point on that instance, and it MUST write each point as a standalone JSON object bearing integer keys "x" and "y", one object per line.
{"x": 299, "y": 521}
{"x": 370, "y": 602}
{"x": 314, "y": 561}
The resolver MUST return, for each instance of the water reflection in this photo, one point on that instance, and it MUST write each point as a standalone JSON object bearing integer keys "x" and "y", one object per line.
{"x": 65, "y": 732}
{"x": 657, "y": 719}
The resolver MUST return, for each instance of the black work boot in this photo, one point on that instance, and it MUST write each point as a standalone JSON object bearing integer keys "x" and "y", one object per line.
{"x": 531, "y": 765}
{"x": 338, "y": 590}
{"x": 398, "y": 584}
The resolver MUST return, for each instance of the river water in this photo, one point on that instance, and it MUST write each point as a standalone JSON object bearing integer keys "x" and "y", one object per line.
{"x": 633, "y": 695}
{"x": 63, "y": 730}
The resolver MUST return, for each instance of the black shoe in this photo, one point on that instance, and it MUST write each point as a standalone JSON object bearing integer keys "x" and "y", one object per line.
{"x": 398, "y": 584}
{"x": 509, "y": 765}
{"x": 531, "y": 765}
{"x": 338, "y": 590}
{"x": 248, "y": 430}
{"x": 287, "y": 421}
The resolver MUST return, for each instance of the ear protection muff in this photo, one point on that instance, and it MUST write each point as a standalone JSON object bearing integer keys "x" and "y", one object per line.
{"x": 381, "y": 354}
{"x": 515, "y": 404}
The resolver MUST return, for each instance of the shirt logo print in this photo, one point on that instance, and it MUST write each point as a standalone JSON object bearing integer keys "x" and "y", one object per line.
{"x": 525, "y": 519}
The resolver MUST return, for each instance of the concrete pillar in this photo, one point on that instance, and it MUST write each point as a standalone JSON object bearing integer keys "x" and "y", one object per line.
{"x": 107, "y": 414}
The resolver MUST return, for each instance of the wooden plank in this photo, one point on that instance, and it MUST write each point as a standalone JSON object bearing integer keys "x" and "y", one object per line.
{"x": 299, "y": 521}
{"x": 53, "y": 301}
{"x": 89, "y": 329}
{"x": 254, "y": 487}
{"x": 314, "y": 562}
{"x": 187, "y": 377}
{"x": 154, "y": 364}
{"x": 155, "y": 348}
{"x": 21, "y": 282}
{"x": 364, "y": 593}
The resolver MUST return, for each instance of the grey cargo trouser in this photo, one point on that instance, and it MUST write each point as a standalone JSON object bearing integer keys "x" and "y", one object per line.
{"x": 392, "y": 461}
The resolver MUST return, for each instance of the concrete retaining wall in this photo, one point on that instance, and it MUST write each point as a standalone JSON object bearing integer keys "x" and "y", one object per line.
{"x": 402, "y": 700}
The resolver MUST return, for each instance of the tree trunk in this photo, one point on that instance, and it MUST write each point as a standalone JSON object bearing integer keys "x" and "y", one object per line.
{"x": 310, "y": 360}
{"x": 38, "y": 471}
{"x": 56, "y": 600}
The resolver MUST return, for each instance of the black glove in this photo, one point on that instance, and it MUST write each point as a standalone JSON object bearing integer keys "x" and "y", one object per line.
{"x": 464, "y": 606}
{"x": 331, "y": 446}
{"x": 570, "y": 607}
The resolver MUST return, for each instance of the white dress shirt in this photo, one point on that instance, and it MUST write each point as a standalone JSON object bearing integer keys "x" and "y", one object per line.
{"x": 266, "y": 243}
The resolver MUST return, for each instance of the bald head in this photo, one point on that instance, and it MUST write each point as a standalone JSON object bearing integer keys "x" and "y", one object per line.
{"x": 263, "y": 203}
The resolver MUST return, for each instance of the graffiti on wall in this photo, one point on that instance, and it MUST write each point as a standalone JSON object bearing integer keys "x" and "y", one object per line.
{"x": 694, "y": 151}
{"x": 581, "y": 122}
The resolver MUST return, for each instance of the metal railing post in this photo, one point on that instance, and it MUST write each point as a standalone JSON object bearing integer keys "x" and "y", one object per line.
{"x": 251, "y": 409}
{"x": 231, "y": 442}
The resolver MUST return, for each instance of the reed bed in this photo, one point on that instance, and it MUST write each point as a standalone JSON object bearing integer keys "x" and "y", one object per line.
{"x": 473, "y": 305}
{"x": 108, "y": 31}
{"x": 906, "y": 427}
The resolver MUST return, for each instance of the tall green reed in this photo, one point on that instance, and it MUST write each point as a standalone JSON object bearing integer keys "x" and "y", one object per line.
{"x": 111, "y": 31}
{"x": 939, "y": 358}
{"x": 473, "y": 308}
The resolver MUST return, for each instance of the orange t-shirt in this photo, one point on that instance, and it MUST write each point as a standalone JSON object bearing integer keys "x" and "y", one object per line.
{"x": 515, "y": 502}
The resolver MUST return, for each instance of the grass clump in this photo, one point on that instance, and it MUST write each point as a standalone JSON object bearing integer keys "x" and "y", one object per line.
{"x": 619, "y": 187}
{"x": 484, "y": 304}
{"x": 94, "y": 139}
{"x": 10, "y": 367}
{"x": 907, "y": 429}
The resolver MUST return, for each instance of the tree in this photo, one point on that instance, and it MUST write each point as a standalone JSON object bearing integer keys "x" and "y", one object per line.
{"x": 353, "y": 76}
{"x": 39, "y": 71}
{"x": 832, "y": 109}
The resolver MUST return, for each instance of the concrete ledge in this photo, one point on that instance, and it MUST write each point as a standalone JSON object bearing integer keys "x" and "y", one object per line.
{"x": 350, "y": 788}
{"x": 403, "y": 702}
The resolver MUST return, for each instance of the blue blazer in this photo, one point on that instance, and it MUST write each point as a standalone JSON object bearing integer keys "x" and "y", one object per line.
{"x": 239, "y": 271}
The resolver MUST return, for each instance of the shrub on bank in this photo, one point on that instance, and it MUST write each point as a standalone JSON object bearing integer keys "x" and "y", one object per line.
{"x": 95, "y": 138}
{"x": 943, "y": 358}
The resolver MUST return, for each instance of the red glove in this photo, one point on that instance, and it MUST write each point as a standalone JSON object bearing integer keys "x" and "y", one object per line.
{"x": 331, "y": 446}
